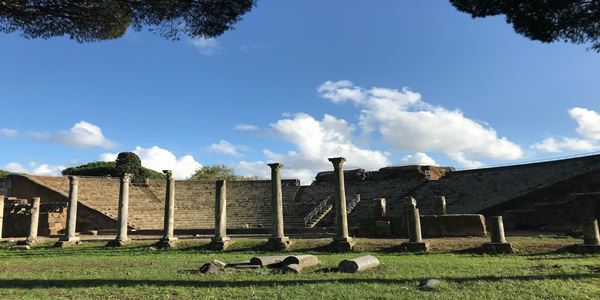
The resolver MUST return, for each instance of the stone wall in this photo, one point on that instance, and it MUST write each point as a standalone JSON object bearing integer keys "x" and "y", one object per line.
{"x": 3, "y": 186}
{"x": 487, "y": 191}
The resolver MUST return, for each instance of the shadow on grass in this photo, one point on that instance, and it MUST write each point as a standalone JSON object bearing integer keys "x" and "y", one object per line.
{"x": 89, "y": 283}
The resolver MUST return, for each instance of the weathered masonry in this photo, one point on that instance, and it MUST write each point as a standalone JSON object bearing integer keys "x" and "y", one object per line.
{"x": 528, "y": 196}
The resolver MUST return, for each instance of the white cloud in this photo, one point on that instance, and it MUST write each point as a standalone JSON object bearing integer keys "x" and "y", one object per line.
{"x": 588, "y": 127}
{"x": 408, "y": 123}
{"x": 206, "y": 46}
{"x": 8, "y": 132}
{"x": 82, "y": 135}
{"x": 224, "y": 147}
{"x": 159, "y": 159}
{"x": 341, "y": 91}
{"x": 15, "y": 167}
{"x": 588, "y": 122}
{"x": 315, "y": 141}
{"x": 108, "y": 156}
{"x": 551, "y": 145}
{"x": 246, "y": 127}
{"x": 36, "y": 169}
{"x": 418, "y": 158}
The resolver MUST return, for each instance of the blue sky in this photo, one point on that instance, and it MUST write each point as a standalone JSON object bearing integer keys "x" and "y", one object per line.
{"x": 380, "y": 82}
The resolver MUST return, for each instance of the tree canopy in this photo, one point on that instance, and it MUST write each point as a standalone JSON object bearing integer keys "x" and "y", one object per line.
{"x": 217, "y": 172}
{"x": 576, "y": 21}
{"x": 126, "y": 163}
{"x": 89, "y": 21}
{"x": 3, "y": 174}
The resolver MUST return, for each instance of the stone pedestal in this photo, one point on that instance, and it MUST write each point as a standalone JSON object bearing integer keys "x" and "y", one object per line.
{"x": 591, "y": 238}
{"x": 33, "y": 226}
{"x": 380, "y": 209}
{"x": 342, "y": 242}
{"x": 415, "y": 240}
{"x": 278, "y": 241}
{"x": 1, "y": 213}
{"x": 122, "y": 238}
{"x": 168, "y": 239}
{"x": 70, "y": 238}
{"x": 498, "y": 245}
{"x": 220, "y": 241}
{"x": 440, "y": 205}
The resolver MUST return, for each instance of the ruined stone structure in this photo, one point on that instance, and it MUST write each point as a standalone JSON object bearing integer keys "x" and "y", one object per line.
{"x": 529, "y": 196}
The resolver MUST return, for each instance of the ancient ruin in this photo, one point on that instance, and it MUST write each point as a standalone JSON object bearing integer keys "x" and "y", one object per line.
{"x": 346, "y": 203}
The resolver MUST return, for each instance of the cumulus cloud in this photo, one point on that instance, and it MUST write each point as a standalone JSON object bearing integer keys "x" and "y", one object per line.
{"x": 551, "y": 145}
{"x": 588, "y": 122}
{"x": 206, "y": 46}
{"x": 246, "y": 127}
{"x": 159, "y": 159}
{"x": 588, "y": 128}
{"x": 225, "y": 147}
{"x": 408, "y": 123}
{"x": 82, "y": 135}
{"x": 8, "y": 132}
{"x": 35, "y": 169}
{"x": 418, "y": 158}
{"x": 15, "y": 167}
{"x": 315, "y": 141}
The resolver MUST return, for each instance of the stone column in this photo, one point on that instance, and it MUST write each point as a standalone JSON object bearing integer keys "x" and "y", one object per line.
{"x": 380, "y": 208}
{"x": 168, "y": 240}
{"x": 498, "y": 242}
{"x": 413, "y": 222}
{"x": 278, "y": 241}
{"x": 590, "y": 233}
{"x": 342, "y": 242}
{"x": 121, "y": 239}
{"x": 70, "y": 238}
{"x": 1, "y": 213}
{"x": 440, "y": 205}
{"x": 33, "y": 226}
{"x": 220, "y": 241}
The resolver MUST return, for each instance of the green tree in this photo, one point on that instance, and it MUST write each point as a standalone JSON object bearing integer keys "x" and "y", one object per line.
{"x": 576, "y": 21}
{"x": 3, "y": 174}
{"x": 101, "y": 168}
{"x": 217, "y": 172}
{"x": 89, "y": 21}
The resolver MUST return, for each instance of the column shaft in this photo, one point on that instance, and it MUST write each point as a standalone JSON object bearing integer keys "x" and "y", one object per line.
{"x": 35, "y": 218}
{"x": 1, "y": 213}
{"x": 414, "y": 226}
{"x": 169, "y": 220}
{"x": 123, "y": 208}
{"x": 72, "y": 209}
{"x": 497, "y": 230}
{"x": 221, "y": 210}
{"x": 590, "y": 233}
{"x": 276, "y": 201}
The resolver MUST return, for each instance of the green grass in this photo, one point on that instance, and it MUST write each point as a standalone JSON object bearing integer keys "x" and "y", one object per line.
{"x": 135, "y": 272}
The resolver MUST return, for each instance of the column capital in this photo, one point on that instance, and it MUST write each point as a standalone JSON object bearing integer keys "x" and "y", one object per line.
{"x": 126, "y": 177}
{"x": 73, "y": 179}
{"x": 276, "y": 166}
{"x": 168, "y": 173}
{"x": 337, "y": 161}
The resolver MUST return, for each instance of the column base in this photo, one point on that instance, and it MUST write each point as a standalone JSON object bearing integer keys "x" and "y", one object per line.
{"x": 27, "y": 242}
{"x": 279, "y": 243}
{"x": 166, "y": 243}
{"x": 342, "y": 245}
{"x": 497, "y": 248}
{"x": 220, "y": 244}
{"x": 118, "y": 243}
{"x": 68, "y": 241}
{"x": 415, "y": 246}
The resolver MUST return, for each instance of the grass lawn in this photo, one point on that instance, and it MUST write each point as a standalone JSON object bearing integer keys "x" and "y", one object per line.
{"x": 92, "y": 271}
